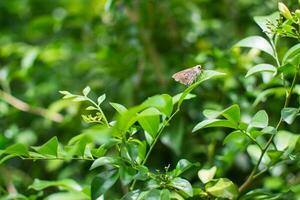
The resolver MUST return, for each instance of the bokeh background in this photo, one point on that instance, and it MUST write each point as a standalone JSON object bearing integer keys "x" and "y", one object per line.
{"x": 128, "y": 50}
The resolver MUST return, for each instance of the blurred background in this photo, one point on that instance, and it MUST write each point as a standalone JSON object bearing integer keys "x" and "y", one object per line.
{"x": 128, "y": 50}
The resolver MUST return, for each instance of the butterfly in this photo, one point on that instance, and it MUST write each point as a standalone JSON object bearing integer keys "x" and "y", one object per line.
{"x": 187, "y": 76}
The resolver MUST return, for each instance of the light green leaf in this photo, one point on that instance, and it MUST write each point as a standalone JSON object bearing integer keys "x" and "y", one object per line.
{"x": 236, "y": 137}
{"x": 260, "y": 119}
{"x": 261, "y": 68}
{"x": 176, "y": 98}
{"x": 182, "y": 185}
{"x": 214, "y": 123}
{"x": 223, "y": 188}
{"x": 49, "y": 148}
{"x": 257, "y": 42}
{"x": 149, "y": 120}
{"x": 205, "y": 175}
{"x": 231, "y": 113}
{"x": 181, "y": 167}
{"x": 262, "y": 21}
{"x": 118, "y": 107}
{"x": 105, "y": 161}
{"x": 101, "y": 99}
{"x": 163, "y": 103}
{"x": 29, "y": 58}
{"x": 66, "y": 184}
{"x": 289, "y": 114}
{"x": 17, "y": 150}
{"x": 262, "y": 96}
{"x": 291, "y": 54}
{"x": 86, "y": 90}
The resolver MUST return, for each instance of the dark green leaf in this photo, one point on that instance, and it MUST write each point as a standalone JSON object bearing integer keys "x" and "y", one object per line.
{"x": 103, "y": 182}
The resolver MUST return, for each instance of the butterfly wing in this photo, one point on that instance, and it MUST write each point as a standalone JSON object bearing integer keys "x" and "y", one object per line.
{"x": 187, "y": 76}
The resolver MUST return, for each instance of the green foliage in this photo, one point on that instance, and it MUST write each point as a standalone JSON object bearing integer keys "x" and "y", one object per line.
{"x": 247, "y": 143}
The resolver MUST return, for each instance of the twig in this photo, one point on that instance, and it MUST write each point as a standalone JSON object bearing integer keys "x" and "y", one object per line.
{"x": 23, "y": 106}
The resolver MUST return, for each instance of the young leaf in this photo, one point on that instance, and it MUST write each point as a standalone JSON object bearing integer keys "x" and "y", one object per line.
{"x": 49, "y": 148}
{"x": 274, "y": 155}
{"x": 118, "y": 107}
{"x": 260, "y": 119}
{"x": 181, "y": 167}
{"x": 101, "y": 99}
{"x": 223, "y": 188}
{"x": 86, "y": 90}
{"x": 289, "y": 114}
{"x": 17, "y": 150}
{"x": 103, "y": 182}
{"x": 257, "y": 42}
{"x": 205, "y": 175}
{"x": 261, "y": 68}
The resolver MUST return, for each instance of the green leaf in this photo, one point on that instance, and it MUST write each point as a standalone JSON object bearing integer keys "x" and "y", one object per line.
{"x": 222, "y": 188}
{"x": 118, "y": 107}
{"x": 261, "y": 68}
{"x": 86, "y": 90}
{"x": 176, "y": 98}
{"x": 289, "y": 114}
{"x": 29, "y": 58}
{"x": 205, "y": 175}
{"x": 182, "y": 185}
{"x": 274, "y": 155}
{"x": 149, "y": 120}
{"x": 17, "y": 150}
{"x": 137, "y": 150}
{"x": 163, "y": 103}
{"x": 214, "y": 123}
{"x": 67, "y": 184}
{"x": 133, "y": 195}
{"x": 262, "y": 96}
{"x": 165, "y": 194}
{"x": 205, "y": 75}
{"x": 231, "y": 113}
{"x": 181, "y": 167}
{"x": 103, "y": 182}
{"x": 101, "y": 99}
{"x": 291, "y": 54}
{"x": 257, "y": 42}
{"x": 105, "y": 161}
{"x": 260, "y": 119}
{"x": 236, "y": 137}
{"x": 49, "y": 148}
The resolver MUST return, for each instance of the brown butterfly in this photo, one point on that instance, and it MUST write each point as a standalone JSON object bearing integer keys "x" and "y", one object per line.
{"x": 187, "y": 76}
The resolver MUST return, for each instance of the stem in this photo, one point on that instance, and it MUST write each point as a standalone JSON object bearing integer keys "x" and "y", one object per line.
{"x": 253, "y": 174}
{"x": 57, "y": 158}
{"x": 154, "y": 142}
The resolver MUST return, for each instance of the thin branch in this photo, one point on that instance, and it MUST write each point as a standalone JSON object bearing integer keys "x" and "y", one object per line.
{"x": 253, "y": 174}
{"x": 23, "y": 106}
